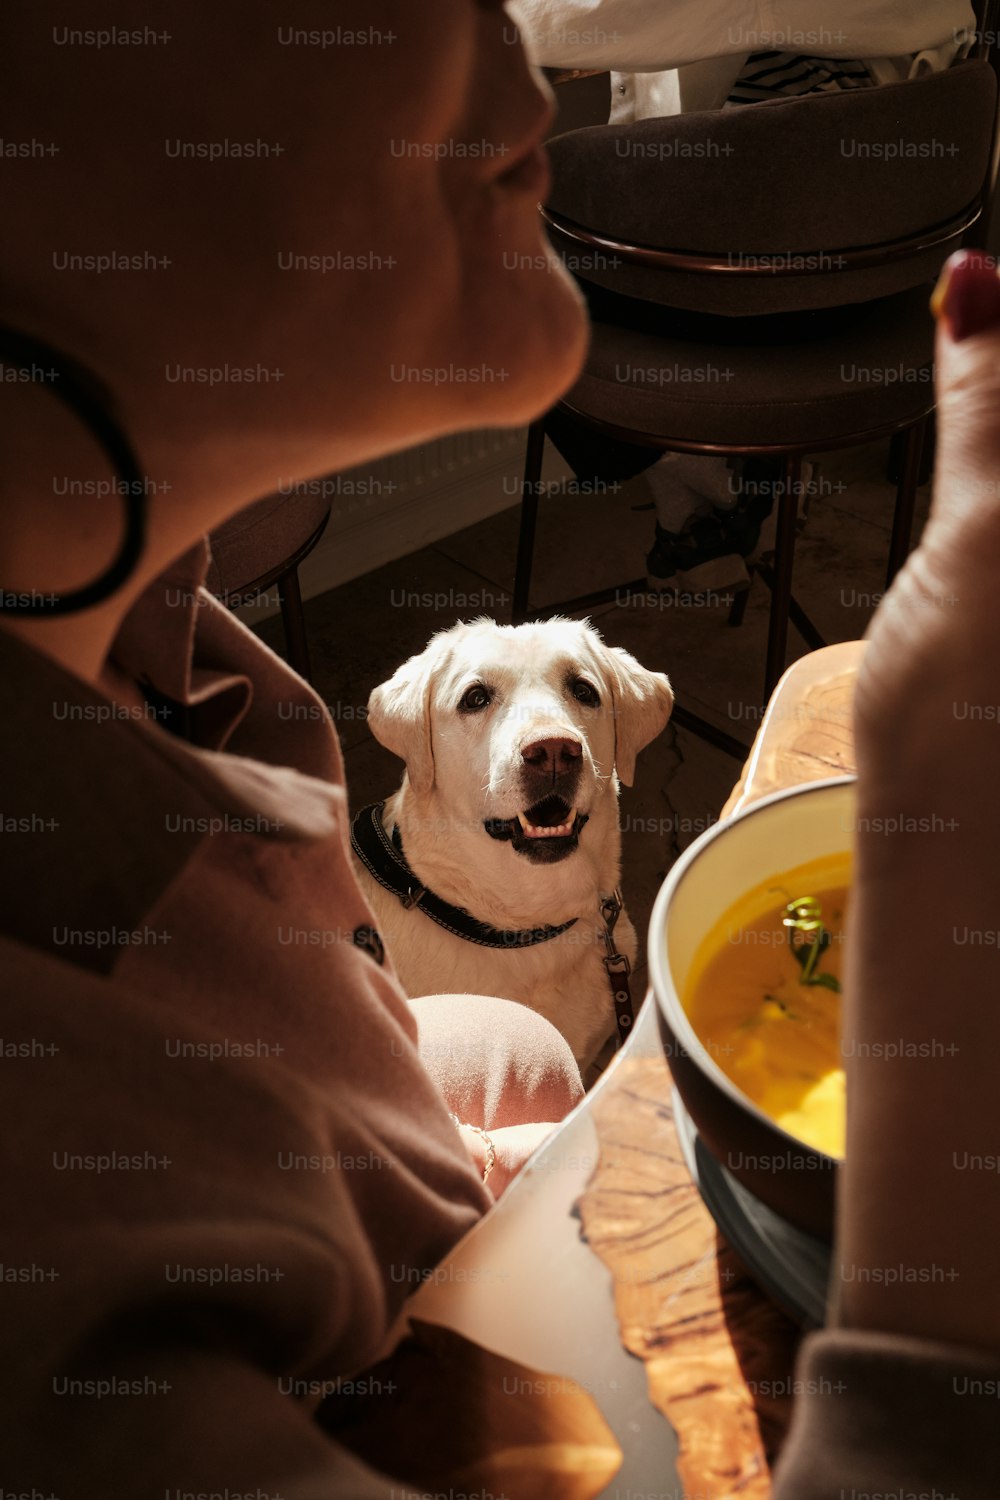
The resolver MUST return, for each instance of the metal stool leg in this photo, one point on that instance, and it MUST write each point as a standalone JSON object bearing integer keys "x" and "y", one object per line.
{"x": 294, "y": 620}
{"x": 906, "y": 498}
{"x": 784, "y": 558}
{"x": 738, "y": 608}
{"x": 529, "y": 519}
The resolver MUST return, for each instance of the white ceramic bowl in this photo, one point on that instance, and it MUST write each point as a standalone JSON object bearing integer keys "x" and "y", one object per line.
{"x": 773, "y": 836}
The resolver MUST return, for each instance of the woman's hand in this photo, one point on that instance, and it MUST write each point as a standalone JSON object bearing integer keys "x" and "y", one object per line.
{"x": 918, "y": 1224}
{"x": 938, "y": 631}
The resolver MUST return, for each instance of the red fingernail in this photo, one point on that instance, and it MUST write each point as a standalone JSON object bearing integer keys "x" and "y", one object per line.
{"x": 968, "y": 294}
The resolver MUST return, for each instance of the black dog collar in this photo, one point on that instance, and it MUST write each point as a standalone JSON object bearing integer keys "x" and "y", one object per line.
{"x": 384, "y": 860}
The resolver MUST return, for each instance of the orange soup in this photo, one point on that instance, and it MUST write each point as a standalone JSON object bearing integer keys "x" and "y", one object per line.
{"x": 764, "y": 997}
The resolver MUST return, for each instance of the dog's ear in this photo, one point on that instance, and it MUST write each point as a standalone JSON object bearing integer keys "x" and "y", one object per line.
{"x": 399, "y": 716}
{"x": 641, "y": 703}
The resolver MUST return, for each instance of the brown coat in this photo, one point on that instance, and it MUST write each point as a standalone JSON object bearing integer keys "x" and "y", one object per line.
{"x": 223, "y": 1165}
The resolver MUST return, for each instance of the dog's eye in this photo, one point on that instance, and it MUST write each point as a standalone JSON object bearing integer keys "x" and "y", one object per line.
{"x": 584, "y": 693}
{"x": 475, "y": 699}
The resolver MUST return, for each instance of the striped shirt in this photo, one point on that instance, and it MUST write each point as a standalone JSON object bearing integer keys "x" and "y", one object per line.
{"x": 769, "y": 75}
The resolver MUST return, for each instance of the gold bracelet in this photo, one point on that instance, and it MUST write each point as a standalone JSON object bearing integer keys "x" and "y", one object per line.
{"x": 491, "y": 1150}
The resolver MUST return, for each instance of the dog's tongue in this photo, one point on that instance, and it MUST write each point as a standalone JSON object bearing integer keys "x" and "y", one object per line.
{"x": 552, "y": 818}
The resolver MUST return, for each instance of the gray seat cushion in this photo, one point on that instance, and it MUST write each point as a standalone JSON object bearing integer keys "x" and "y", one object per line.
{"x": 255, "y": 542}
{"x": 793, "y": 178}
{"x": 870, "y": 367}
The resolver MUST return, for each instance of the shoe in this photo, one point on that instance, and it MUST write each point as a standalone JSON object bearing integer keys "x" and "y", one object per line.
{"x": 697, "y": 561}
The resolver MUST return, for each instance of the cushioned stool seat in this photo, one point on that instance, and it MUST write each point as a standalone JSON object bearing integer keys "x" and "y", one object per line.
{"x": 860, "y": 375}
{"x": 263, "y": 545}
{"x": 788, "y": 184}
{"x": 251, "y": 544}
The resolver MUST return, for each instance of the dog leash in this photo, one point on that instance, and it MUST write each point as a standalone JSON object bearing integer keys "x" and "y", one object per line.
{"x": 385, "y": 861}
{"x": 617, "y": 967}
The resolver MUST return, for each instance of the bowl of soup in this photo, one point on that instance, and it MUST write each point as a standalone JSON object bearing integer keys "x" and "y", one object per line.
{"x": 746, "y": 954}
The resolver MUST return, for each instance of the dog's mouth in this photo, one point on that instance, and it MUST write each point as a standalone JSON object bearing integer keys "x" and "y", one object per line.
{"x": 547, "y": 831}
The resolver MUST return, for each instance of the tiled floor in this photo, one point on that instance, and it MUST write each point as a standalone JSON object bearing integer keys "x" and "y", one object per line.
{"x": 361, "y": 631}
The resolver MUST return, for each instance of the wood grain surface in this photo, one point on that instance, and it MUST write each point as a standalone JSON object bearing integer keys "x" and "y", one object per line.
{"x": 806, "y": 732}
{"x": 719, "y": 1356}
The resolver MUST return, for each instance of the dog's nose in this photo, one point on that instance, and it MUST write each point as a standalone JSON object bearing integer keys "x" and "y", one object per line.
{"x": 551, "y": 756}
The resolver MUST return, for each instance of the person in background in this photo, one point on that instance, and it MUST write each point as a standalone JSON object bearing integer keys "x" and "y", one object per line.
{"x": 688, "y": 55}
{"x": 715, "y": 516}
{"x": 167, "y": 823}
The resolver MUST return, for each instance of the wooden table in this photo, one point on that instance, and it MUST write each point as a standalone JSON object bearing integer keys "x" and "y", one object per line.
{"x": 719, "y": 1355}
{"x": 601, "y": 1267}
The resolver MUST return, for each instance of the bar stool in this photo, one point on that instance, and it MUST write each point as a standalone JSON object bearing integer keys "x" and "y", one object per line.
{"x": 263, "y": 546}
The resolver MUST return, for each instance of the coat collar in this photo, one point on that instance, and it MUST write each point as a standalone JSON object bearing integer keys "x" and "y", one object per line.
{"x": 101, "y": 806}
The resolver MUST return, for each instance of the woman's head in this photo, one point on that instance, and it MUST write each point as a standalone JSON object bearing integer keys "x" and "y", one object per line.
{"x": 322, "y": 231}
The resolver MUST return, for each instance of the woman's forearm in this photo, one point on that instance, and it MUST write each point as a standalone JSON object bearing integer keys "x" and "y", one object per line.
{"x": 922, "y": 1053}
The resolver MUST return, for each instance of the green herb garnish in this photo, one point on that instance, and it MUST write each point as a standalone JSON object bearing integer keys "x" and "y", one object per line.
{"x": 809, "y": 940}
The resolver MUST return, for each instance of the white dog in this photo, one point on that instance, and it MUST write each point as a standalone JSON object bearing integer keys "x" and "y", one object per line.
{"x": 487, "y": 870}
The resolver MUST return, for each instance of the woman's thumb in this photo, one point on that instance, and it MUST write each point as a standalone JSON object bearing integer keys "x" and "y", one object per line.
{"x": 967, "y": 303}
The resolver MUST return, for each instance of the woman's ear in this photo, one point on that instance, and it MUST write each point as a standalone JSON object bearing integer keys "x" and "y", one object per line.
{"x": 641, "y": 704}
{"x": 399, "y": 716}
